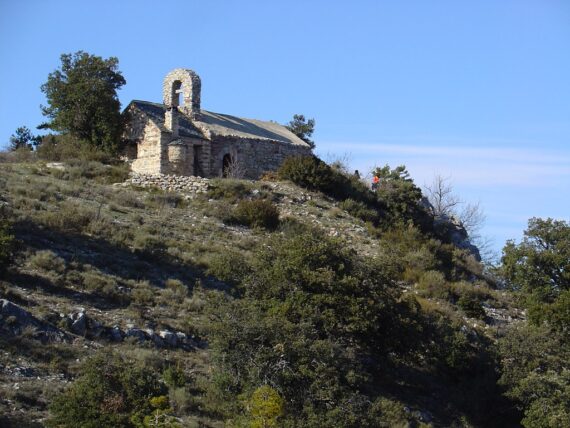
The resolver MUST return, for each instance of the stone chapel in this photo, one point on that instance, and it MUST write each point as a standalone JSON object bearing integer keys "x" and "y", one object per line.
{"x": 178, "y": 137}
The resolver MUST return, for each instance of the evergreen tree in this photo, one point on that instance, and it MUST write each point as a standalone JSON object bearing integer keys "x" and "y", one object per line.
{"x": 302, "y": 128}
{"x": 23, "y": 139}
{"x": 82, "y": 99}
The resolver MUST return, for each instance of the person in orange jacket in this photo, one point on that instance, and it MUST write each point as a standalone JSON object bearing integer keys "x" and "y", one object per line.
{"x": 375, "y": 181}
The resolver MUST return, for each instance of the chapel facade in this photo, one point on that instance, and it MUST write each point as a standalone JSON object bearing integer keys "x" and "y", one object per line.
{"x": 178, "y": 137}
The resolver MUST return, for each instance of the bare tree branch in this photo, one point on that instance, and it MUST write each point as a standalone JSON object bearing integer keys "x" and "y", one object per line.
{"x": 440, "y": 195}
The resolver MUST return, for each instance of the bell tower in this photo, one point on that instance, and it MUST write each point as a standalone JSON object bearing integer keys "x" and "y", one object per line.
{"x": 181, "y": 89}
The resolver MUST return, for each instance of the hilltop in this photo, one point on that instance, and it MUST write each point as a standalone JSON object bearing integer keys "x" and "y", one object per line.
{"x": 349, "y": 310}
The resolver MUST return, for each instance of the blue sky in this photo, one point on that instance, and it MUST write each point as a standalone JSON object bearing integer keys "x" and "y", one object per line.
{"x": 478, "y": 91}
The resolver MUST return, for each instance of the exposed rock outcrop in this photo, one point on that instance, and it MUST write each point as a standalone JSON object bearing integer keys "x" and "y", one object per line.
{"x": 14, "y": 320}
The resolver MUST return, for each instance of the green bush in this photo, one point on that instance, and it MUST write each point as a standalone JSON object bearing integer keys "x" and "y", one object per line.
{"x": 312, "y": 173}
{"x": 360, "y": 210}
{"x": 401, "y": 198}
{"x": 99, "y": 283}
{"x": 177, "y": 287}
{"x": 312, "y": 306}
{"x": 534, "y": 372}
{"x": 228, "y": 266}
{"x": 266, "y": 407}
{"x": 149, "y": 244}
{"x": 67, "y": 148}
{"x": 174, "y": 377}
{"x": 47, "y": 261}
{"x": 6, "y": 243}
{"x": 309, "y": 172}
{"x": 256, "y": 213}
{"x": 432, "y": 283}
{"x": 71, "y": 218}
{"x": 142, "y": 294}
{"x": 164, "y": 200}
{"x": 418, "y": 261}
{"x": 109, "y": 392}
{"x": 470, "y": 304}
{"x": 229, "y": 189}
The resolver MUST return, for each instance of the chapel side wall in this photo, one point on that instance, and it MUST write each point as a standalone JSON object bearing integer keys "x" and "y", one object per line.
{"x": 256, "y": 157}
{"x": 149, "y": 149}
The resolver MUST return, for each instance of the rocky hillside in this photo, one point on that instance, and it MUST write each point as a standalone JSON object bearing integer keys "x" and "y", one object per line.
{"x": 163, "y": 272}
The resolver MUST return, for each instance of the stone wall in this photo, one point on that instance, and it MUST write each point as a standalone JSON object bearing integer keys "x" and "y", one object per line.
{"x": 255, "y": 156}
{"x": 170, "y": 182}
{"x": 148, "y": 150}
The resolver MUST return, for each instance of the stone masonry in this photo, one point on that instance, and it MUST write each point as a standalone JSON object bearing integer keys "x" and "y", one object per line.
{"x": 170, "y": 182}
{"x": 178, "y": 138}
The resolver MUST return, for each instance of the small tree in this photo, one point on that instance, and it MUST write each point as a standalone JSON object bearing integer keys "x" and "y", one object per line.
{"x": 266, "y": 406}
{"x": 110, "y": 392}
{"x": 23, "y": 139}
{"x": 401, "y": 196}
{"x": 442, "y": 197}
{"x": 82, "y": 99}
{"x": 540, "y": 267}
{"x": 446, "y": 205}
{"x": 302, "y": 128}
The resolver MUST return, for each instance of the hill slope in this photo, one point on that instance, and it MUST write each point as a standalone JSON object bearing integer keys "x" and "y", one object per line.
{"x": 177, "y": 283}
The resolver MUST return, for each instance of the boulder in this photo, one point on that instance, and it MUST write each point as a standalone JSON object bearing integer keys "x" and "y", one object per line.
{"x": 169, "y": 338}
{"x": 79, "y": 323}
{"x": 136, "y": 332}
{"x": 14, "y": 314}
{"x": 13, "y": 319}
{"x": 116, "y": 334}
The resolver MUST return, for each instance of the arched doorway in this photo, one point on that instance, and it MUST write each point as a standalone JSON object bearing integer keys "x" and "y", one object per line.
{"x": 227, "y": 163}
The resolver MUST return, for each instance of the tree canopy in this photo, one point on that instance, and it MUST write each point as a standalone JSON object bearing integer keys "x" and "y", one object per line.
{"x": 82, "y": 99}
{"x": 540, "y": 267}
{"x": 302, "y": 128}
{"x": 23, "y": 139}
{"x": 402, "y": 197}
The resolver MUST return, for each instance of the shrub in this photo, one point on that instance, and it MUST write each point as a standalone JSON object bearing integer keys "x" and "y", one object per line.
{"x": 174, "y": 377}
{"x": 360, "y": 210}
{"x": 312, "y": 173}
{"x": 417, "y": 262}
{"x": 93, "y": 170}
{"x": 164, "y": 200}
{"x": 65, "y": 147}
{"x": 230, "y": 189}
{"x": 149, "y": 244}
{"x": 391, "y": 413}
{"x": 177, "y": 287}
{"x": 472, "y": 307}
{"x": 433, "y": 284}
{"x": 110, "y": 392}
{"x": 266, "y": 406}
{"x": 142, "y": 294}
{"x": 309, "y": 172}
{"x": 47, "y": 261}
{"x": 6, "y": 243}
{"x": 98, "y": 283}
{"x": 534, "y": 362}
{"x": 401, "y": 198}
{"x": 228, "y": 266}
{"x": 181, "y": 399}
{"x": 312, "y": 306}
{"x": 257, "y": 213}
{"x": 70, "y": 217}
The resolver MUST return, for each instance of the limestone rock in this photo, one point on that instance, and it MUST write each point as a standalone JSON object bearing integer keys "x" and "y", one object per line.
{"x": 14, "y": 319}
